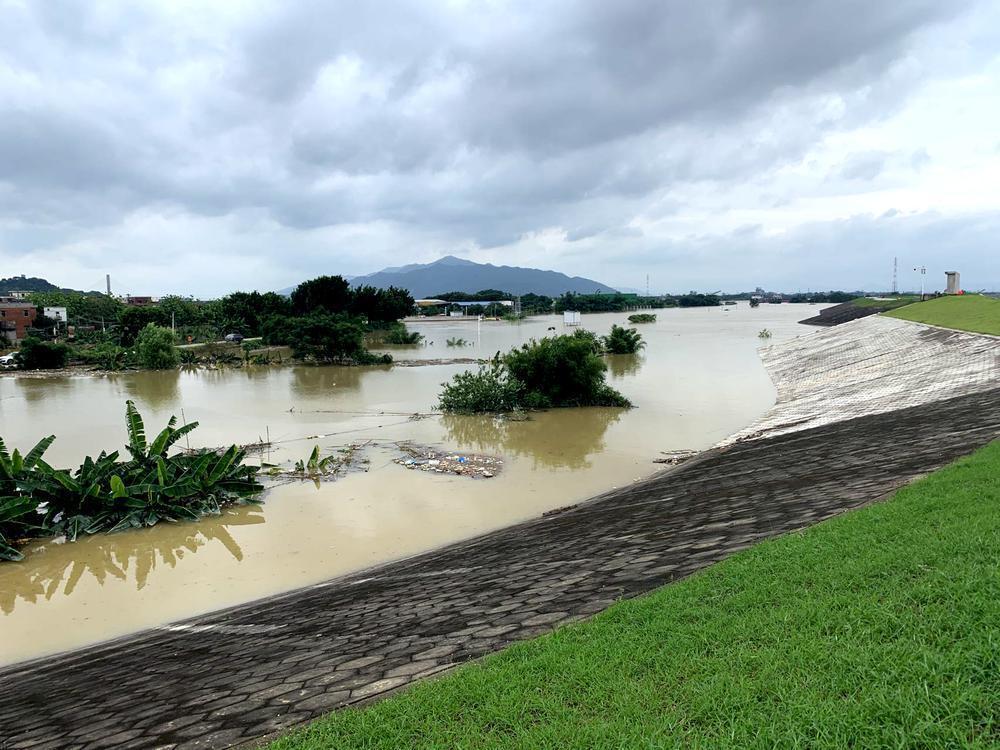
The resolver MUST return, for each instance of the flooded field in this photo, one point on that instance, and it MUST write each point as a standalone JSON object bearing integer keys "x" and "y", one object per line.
{"x": 698, "y": 380}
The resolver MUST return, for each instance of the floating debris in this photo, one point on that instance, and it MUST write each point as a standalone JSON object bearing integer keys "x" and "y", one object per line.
{"x": 447, "y": 462}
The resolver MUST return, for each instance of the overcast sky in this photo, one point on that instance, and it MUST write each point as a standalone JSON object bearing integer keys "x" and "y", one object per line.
{"x": 196, "y": 148}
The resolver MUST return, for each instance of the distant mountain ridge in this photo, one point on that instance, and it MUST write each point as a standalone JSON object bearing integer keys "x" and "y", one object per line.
{"x": 451, "y": 274}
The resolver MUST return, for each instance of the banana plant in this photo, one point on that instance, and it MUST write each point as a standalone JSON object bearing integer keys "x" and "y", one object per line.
{"x": 107, "y": 494}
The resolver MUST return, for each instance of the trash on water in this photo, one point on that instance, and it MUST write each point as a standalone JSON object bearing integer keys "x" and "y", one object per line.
{"x": 424, "y": 458}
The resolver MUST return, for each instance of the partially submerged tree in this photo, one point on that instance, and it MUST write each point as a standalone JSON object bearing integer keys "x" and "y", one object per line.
{"x": 154, "y": 348}
{"x": 623, "y": 341}
{"x": 553, "y": 372}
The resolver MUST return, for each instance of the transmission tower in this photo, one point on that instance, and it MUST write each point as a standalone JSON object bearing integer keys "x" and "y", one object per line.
{"x": 895, "y": 273}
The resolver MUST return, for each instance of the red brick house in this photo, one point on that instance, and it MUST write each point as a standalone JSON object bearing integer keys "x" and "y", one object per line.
{"x": 15, "y": 319}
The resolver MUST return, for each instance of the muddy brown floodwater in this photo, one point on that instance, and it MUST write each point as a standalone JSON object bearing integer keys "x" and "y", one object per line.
{"x": 698, "y": 380}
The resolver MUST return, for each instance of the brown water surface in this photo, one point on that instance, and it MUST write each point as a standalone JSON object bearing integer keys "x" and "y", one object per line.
{"x": 698, "y": 380}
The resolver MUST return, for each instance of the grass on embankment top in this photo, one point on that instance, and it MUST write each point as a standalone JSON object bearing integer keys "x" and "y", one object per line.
{"x": 878, "y": 628}
{"x": 967, "y": 312}
{"x": 884, "y": 302}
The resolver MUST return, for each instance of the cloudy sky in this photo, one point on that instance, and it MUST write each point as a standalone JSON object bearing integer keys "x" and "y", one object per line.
{"x": 196, "y": 148}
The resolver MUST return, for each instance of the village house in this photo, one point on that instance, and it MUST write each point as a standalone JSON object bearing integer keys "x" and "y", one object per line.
{"x": 16, "y": 318}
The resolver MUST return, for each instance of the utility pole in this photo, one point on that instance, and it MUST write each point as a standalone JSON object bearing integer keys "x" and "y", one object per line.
{"x": 923, "y": 272}
{"x": 895, "y": 269}
{"x": 173, "y": 328}
{"x": 108, "y": 279}
{"x": 647, "y": 285}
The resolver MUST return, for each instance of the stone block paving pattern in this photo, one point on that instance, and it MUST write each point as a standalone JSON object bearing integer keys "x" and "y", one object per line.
{"x": 871, "y": 366}
{"x": 237, "y": 675}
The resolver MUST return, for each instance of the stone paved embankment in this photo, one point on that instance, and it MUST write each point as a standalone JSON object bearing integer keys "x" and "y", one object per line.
{"x": 237, "y": 675}
{"x": 871, "y": 366}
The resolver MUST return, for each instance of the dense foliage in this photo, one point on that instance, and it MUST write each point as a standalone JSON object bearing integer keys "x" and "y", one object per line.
{"x": 323, "y": 337}
{"x": 623, "y": 341}
{"x": 553, "y": 372}
{"x": 642, "y": 318}
{"x": 154, "y": 348}
{"x": 108, "y": 494}
{"x": 35, "y": 354}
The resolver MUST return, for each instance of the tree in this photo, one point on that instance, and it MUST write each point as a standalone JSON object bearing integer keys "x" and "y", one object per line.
{"x": 35, "y": 354}
{"x": 322, "y": 337}
{"x": 155, "y": 348}
{"x": 329, "y": 293}
{"x": 135, "y": 319}
{"x": 245, "y": 312}
{"x": 623, "y": 341}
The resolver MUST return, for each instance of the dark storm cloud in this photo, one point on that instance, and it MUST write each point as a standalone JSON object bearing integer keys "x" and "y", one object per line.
{"x": 473, "y": 122}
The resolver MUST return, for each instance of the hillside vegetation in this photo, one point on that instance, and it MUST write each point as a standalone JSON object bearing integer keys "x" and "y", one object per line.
{"x": 967, "y": 312}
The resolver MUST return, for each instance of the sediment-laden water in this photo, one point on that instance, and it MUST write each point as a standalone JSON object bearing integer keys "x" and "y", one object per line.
{"x": 698, "y": 380}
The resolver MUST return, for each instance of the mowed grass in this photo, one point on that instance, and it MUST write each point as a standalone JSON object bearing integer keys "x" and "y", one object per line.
{"x": 885, "y": 303}
{"x": 879, "y": 628}
{"x": 967, "y": 312}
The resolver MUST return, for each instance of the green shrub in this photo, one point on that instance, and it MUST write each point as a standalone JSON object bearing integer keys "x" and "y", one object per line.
{"x": 642, "y": 318}
{"x": 35, "y": 354}
{"x": 399, "y": 335}
{"x": 553, "y": 372}
{"x": 490, "y": 390}
{"x": 623, "y": 341}
{"x": 107, "y": 356}
{"x": 154, "y": 348}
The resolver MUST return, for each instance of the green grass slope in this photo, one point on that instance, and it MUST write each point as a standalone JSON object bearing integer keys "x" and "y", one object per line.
{"x": 968, "y": 312}
{"x": 879, "y": 628}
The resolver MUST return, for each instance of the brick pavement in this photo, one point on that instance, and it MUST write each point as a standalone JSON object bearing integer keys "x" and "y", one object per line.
{"x": 240, "y": 674}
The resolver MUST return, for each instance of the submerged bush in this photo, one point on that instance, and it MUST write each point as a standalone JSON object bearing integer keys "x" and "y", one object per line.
{"x": 399, "y": 335}
{"x": 106, "y": 494}
{"x": 554, "y": 372}
{"x": 623, "y": 341}
{"x": 642, "y": 318}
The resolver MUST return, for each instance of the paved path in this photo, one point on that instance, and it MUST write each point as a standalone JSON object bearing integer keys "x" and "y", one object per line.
{"x": 237, "y": 675}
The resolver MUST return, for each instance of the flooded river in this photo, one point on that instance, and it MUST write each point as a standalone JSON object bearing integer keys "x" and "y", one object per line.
{"x": 698, "y": 380}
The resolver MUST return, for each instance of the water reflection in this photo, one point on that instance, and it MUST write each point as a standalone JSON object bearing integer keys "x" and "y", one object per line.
{"x": 156, "y": 389}
{"x": 559, "y": 438}
{"x": 620, "y": 365}
{"x": 323, "y": 381}
{"x": 58, "y": 567}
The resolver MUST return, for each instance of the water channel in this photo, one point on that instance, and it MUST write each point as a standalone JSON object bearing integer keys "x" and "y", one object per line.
{"x": 698, "y": 380}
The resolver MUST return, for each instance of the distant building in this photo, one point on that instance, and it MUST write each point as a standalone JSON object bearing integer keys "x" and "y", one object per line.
{"x": 954, "y": 285}
{"x": 141, "y": 301}
{"x": 16, "y": 318}
{"x": 56, "y": 313}
{"x": 20, "y": 294}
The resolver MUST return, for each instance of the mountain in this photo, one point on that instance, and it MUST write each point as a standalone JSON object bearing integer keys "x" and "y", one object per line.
{"x": 451, "y": 274}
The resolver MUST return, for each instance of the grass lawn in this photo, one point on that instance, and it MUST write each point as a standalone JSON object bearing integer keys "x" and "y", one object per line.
{"x": 885, "y": 303}
{"x": 878, "y": 628}
{"x": 968, "y": 312}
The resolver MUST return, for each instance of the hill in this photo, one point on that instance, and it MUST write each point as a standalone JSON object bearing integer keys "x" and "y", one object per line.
{"x": 455, "y": 274}
{"x": 26, "y": 284}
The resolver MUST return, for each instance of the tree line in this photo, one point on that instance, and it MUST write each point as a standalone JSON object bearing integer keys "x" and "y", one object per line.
{"x": 324, "y": 319}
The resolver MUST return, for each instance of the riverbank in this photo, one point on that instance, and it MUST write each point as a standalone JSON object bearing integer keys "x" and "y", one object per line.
{"x": 240, "y": 674}
{"x": 830, "y": 638}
